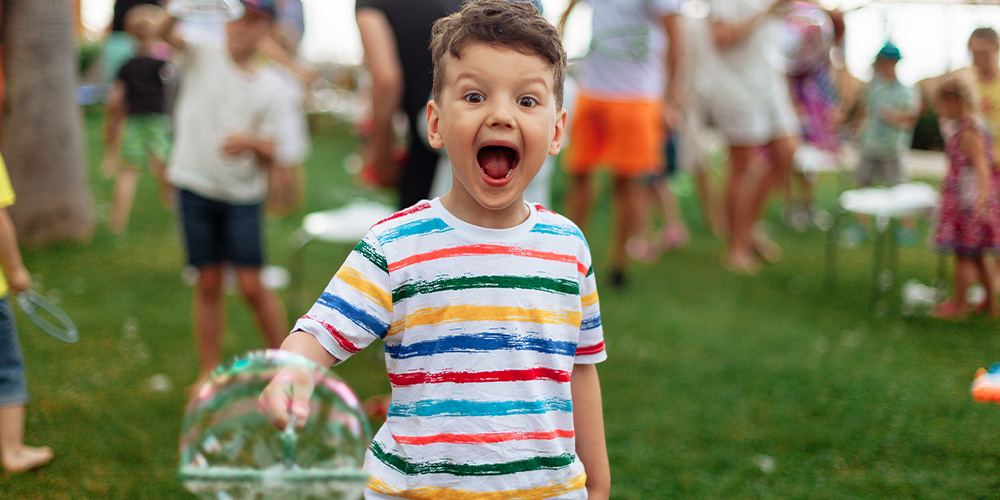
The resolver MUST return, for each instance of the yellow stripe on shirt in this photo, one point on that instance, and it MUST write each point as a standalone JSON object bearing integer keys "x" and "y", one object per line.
{"x": 459, "y": 313}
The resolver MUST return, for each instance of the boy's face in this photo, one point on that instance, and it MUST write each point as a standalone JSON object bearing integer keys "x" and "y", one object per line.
{"x": 244, "y": 33}
{"x": 985, "y": 56}
{"x": 497, "y": 119}
{"x": 886, "y": 68}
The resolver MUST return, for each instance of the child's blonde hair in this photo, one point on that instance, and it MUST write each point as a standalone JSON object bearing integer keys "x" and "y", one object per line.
{"x": 140, "y": 21}
{"x": 513, "y": 24}
{"x": 956, "y": 88}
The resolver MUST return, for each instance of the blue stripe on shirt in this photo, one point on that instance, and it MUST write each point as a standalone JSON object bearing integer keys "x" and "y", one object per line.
{"x": 464, "y": 408}
{"x": 480, "y": 342}
{"x": 355, "y": 314}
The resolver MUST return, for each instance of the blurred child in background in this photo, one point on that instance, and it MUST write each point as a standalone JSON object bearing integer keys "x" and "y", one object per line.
{"x": 137, "y": 99}
{"x": 969, "y": 215}
{"x": 15, "y": 456}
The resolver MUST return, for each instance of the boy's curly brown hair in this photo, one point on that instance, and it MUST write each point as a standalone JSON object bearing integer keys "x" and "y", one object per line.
{"x": 514, "y": 24}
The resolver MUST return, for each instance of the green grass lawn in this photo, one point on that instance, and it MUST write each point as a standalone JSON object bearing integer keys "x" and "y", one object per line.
{"x": 717, "y": 386}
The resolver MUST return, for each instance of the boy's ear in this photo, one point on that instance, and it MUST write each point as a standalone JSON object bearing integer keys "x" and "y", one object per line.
{"x": 433, "y": 126}
{"x": 557, "y": 139}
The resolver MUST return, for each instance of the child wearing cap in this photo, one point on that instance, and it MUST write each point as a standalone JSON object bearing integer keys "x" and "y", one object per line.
{"x": 227, "y": 126}
{"x": 890, "y": 112}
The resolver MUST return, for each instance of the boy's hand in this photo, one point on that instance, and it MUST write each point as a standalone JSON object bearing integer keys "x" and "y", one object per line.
{"x": 287, "y": 394}
{"x": 238, "y": 143}
{"x": 19, "y": 279}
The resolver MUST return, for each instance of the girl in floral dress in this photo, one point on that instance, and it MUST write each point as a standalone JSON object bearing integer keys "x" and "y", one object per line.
{"x": 969, "y": 215}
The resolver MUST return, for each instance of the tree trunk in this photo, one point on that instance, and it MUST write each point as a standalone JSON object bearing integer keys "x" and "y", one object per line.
{"x": 42, "y": 141}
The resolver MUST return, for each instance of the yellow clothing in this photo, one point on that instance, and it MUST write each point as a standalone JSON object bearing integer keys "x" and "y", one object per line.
{"x": 6, "y": 200}
{"x": 989, "y": 104}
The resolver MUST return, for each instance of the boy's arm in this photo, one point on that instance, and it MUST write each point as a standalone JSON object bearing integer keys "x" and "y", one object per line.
{"x": 262, "y": 147}
{"x": 565, "y": 16}
{"x": 588, "y": 421}
{"x": 382, "y": 60}
{"x": 115, "y": 112}
{"x": 675, "y": 52}
{"x": 10, "y": 256}
{"x": 726, "y": 34}
{"x": 273, "y": 50}
{"x": 166, "y": 32}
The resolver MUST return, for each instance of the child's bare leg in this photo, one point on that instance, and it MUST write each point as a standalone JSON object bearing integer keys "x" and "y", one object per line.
{"x": 158, "y": 168}
{"x": 265, "y": 304}
{"x": 209, "y": 302}
{"x": 579, "y": 199}
{"x": 675, "y": 231}
{"x": 987, "y": 275}
{"x": 966, "y": 272}
{"x": 14, "y": 454}
{"x": 628, "y": 205}
{"x": 739, "y": 253}
{"x": 716, "y": 221}
{"x": 122, "y": 197}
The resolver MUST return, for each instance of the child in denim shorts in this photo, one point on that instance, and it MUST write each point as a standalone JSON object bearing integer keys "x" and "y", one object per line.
{"x": 14, "y": 454}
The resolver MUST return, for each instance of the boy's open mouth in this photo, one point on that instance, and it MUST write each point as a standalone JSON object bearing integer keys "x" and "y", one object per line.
{"x": 497, "y": 162}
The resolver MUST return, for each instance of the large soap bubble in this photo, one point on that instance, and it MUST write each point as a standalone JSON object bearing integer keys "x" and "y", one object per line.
{"x": 229, "y": 450}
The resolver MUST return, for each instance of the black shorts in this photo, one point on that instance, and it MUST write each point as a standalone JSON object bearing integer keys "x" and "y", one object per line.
{"x": 217, "y": 232}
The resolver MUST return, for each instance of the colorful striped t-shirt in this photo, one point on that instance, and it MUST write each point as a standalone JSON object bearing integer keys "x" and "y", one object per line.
{"x": 481, "y": 328}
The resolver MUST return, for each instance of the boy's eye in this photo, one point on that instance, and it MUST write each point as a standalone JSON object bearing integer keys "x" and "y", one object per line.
{"x": 528, "y": 102}
{"x": 474, "y": 97}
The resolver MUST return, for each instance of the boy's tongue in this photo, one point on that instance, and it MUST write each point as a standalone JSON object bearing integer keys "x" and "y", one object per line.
{"x": 496, "y": 161}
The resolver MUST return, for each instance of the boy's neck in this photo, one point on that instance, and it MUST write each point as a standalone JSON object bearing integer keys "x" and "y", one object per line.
{"x": 243, "y": 60}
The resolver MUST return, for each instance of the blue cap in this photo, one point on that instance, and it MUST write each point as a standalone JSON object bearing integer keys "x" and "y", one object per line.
{"x": 263, "y": 7}
{"x": 889, "y": 51}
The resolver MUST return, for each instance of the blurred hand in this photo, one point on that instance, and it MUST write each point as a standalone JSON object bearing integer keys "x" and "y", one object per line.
{"x": 238, "y": 143}
{"x": 287, "y": 394}
{"x": 19, "y": 280}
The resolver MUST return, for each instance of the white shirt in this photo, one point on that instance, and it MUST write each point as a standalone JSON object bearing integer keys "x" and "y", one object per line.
{"x": 218, "y": 98}
{"x": 626, "y": 50}
{"x": 744, "y": 71}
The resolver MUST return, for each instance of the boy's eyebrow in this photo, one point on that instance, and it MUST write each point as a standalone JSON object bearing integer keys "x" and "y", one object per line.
{"x": 471, "y": 75}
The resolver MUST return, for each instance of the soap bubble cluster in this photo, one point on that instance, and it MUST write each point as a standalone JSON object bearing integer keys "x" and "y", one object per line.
{"x": 230, "y": 451}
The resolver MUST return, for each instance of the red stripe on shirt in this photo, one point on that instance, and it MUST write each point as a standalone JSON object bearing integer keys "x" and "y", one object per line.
{"x": 491, "y": 437}
{"x": 337, "y": 335}
{"x": 469, "y": 250}
{"x": 415, "y": 378}
{"x": 403, "y": 213}
{"x": 590, "y": 349}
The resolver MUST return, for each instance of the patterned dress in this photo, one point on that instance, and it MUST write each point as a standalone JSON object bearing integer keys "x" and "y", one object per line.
{"x": 960, "y": 230}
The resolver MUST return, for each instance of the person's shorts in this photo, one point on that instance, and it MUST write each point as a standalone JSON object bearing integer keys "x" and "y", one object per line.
{"x": 217, "y": 232}
{"x": 889, "y": 169}
{"x": 757, "y": 124}
{"x": 145, "y": 135}
{"x": 626, "y": 136}
{"x": 13, "y": 389}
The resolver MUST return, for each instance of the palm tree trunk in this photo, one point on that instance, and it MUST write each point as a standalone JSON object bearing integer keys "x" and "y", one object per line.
{"x": 42, "y": 141}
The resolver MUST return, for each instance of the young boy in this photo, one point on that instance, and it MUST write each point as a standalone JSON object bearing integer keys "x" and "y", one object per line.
{"x": 487, "y": 306}
{"x": 15, "y": 456}
{"x": 891, "y": 112}
{"x": 227, "y": 125}
{"x": 140, "y": 94}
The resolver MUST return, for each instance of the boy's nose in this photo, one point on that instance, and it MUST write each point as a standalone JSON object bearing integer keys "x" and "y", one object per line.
{"x": 501, "y": 116}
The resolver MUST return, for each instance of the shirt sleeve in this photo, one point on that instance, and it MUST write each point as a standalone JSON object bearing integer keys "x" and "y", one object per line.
{"x": 356, "y": 307}
{"x": 6, "y": 190}
{"x": 590, "y": 346}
